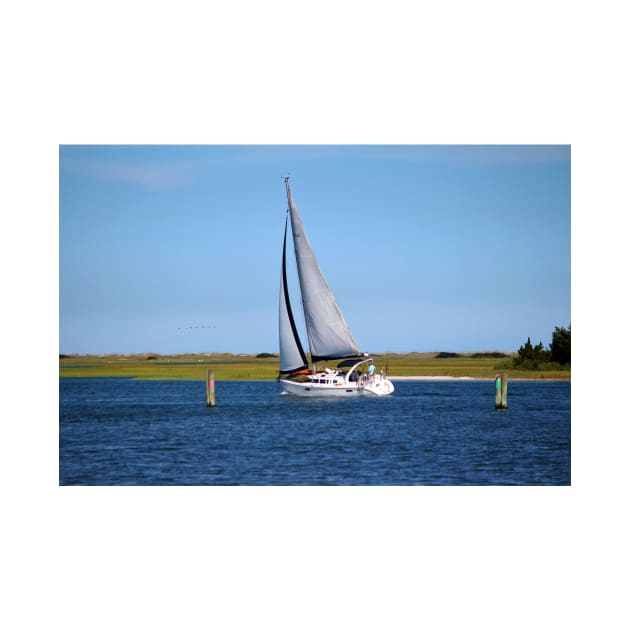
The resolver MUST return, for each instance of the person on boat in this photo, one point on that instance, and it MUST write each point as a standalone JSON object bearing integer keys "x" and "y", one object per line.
{"x": 371, "y": 370}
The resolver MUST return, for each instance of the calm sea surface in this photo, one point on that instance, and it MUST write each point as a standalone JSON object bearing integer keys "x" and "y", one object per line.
{"x": 115, "y": 431}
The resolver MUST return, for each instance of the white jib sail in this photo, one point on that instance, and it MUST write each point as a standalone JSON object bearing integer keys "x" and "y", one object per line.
{"x": 292, "y": 356}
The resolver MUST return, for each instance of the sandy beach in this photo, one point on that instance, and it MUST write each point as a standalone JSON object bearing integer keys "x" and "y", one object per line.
{"x": 469, "y": 378}
{"x": 438, "y": 378}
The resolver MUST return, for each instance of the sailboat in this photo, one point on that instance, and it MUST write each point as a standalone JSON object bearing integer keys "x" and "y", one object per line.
{"x": 329, "y": 337}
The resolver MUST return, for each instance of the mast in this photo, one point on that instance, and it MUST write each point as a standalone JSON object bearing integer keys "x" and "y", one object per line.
{"x": 285, "y": 290}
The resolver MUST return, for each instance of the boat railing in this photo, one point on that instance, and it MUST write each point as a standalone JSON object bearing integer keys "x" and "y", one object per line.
{"x": 367, "y": 378}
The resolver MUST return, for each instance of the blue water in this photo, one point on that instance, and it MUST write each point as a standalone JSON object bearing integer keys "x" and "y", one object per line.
{"x": 115, "y": 431}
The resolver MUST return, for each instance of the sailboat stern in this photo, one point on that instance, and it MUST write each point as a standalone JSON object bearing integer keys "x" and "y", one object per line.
{"x": 379, "y": 386}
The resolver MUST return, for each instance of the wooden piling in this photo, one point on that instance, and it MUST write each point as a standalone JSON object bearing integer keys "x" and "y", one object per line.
{"x": 500, "y": 399}
{"x": 210, "y": 388}
{"x": 497, "y": 389}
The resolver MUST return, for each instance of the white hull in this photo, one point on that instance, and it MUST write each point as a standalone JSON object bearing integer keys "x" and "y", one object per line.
{"x": 376, "y": 386}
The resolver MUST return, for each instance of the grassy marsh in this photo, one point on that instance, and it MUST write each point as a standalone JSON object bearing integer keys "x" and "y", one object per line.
{"x": 249, "y": 367}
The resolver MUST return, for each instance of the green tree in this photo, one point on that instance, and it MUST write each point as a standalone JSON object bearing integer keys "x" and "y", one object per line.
{"x": 526, "y": 350}
{"x": 560, "y": 348}
{"x": 529, "y": 356}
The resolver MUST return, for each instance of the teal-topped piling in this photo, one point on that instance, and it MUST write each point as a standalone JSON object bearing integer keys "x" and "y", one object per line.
{"x": 210, "y": 400}
{"x": 500, "y": 385}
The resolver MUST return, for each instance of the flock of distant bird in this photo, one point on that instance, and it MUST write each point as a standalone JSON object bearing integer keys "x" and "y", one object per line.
{"x": 193, "y": 327}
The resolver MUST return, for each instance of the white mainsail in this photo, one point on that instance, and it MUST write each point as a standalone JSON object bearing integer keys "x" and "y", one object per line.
{"x": 328, "y": 333}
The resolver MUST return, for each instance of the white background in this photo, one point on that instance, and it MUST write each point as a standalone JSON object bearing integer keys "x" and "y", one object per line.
{"x": 283, "y": 72}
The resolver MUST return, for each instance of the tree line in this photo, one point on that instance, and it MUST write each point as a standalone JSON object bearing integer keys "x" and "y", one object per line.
{"x": 530, "y": 357}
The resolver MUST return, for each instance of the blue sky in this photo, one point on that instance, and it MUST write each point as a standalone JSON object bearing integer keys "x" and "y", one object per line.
{"x": 427, "y": 248}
